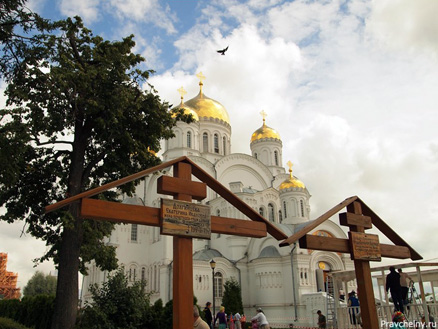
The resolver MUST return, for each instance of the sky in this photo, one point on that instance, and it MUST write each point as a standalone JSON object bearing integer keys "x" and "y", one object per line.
{"x": 351, "y": 87}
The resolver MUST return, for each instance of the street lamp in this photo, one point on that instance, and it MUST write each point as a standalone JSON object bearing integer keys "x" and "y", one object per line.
{"x": 213, "y": 265}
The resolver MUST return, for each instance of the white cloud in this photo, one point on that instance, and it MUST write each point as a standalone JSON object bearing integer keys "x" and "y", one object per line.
{"x": 87, "y": 9}
{"x": 406, "y": 25}
{"x": 356, "y": 118}
{"x": 145, "y": 11}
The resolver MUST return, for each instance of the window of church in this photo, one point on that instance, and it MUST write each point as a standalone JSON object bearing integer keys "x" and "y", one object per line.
{"x": 216, "y": 143}
{"x": 143, "y": 274}
{"x": 224, "y": 146}
{"x": 218, "y": 212}
{"x": 262, "y": 212}
{"x": 255, "y": 155}
{"x": 204, "y": 142}
{"x": 276, "y": 158}
{"x": 280, "y": 217}
{"x": 284, "y": 209}
{"x": 189, "y": 139}
{"x": 218, "y": 285}
{"x": 302, "y": 208}
{"x": 271, "y": 213}
{"x": 134, "y": 230}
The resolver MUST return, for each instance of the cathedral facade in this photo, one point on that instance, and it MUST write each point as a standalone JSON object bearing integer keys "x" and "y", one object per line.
{"x": 279, "y": 280}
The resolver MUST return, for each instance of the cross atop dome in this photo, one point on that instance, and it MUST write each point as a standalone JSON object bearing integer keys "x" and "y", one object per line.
{"x": 201, "y": 78}
{"x": 290, "y": 165}
{"x": 264, "y": 115}
{"x": 182, "y": 92}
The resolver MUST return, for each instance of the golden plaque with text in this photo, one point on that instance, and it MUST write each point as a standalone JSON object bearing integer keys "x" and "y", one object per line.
{"x": 365, "y": 246}
{"x": 185, "y": 219}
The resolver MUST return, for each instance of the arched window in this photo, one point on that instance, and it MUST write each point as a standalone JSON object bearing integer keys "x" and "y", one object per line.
{"x": 134, "y": 230}
{"x": 280, "y": 217}
{"x": 218, "y": 213}
{"x": 262, "y": 211}
{"x": 132, "y": 275}
{"x": 218, "y": 285}
{"x": 284, "y": 209}
{"x": 224, "y": 146}
{"x": 302, "y": 208}
{"x": 216, "y": 143}
{"x": 189, "y": 139}
{"x": 276, "y": 158}
{"x": 143, "y": 274}
{"x": 255, "y": 155}
{"x": 271, "y": 212}
{"x": 204, "y": 142}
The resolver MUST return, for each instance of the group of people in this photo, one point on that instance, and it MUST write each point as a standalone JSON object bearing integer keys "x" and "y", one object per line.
{"x": 232, "y": 321}
{"x": 398, "y": 285}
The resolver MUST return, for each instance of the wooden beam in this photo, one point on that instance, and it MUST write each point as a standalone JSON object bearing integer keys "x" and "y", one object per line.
{"x": 199, "y": 173}
{"x": 111, "y": 185}
{"x": 350, "y": 219}
{"x": 174, "y": 185}
{"x": 142, "y": 215}
{"x": 315, "y": 223}
{"x": 120, "y": 212}
{"x": 239, "y": 227}
{"x": 342, "y": 245}
{"x": 387, "y": 230}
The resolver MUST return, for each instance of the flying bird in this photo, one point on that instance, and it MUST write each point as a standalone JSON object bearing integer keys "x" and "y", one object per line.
{"x": 222, "y": 52}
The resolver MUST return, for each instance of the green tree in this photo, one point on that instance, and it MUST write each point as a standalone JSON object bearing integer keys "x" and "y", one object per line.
{"x": 232, "y": 299}
{"x": 19, "y": 29}
{"x": 77, "y": 116}
{"x": 40, "y": 284}
{"x": 117, "y": 305}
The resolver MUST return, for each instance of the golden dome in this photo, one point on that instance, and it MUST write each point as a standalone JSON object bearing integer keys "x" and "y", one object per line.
{"x": 264, "y": 131}
{"x": 206, "y": 107}
{"x": 291, "y": 181}
{"x": 186, "y": 109}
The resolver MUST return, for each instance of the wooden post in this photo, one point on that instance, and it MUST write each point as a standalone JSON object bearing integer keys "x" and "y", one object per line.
{"x": 182, "y": 264}
{"x": 364, "y": 280}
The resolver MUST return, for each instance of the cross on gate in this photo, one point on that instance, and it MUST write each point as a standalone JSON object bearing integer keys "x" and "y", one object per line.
{"x": 182, "y": 188}
{"x": 362, "y": 248}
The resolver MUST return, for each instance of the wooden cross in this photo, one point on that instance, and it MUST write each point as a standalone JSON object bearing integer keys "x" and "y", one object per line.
{"x": 362, "y": 247}
{"x": 182, "y": 188}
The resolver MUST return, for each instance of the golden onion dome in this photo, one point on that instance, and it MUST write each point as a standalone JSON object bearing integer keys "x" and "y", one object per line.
{"x": 264, "y": 131}
{"x": 186, "y": 109}
{"x": 207, "y": 107}
{"x": 291, "y": 181}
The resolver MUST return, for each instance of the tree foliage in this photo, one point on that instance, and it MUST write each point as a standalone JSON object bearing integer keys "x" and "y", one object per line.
{"x": 40, "y": 284}
{"x": 116, "y": 305}
{"x": 77, "y": 116}
{"x": 20, "y": 29}
{"x": 232, "y": 299}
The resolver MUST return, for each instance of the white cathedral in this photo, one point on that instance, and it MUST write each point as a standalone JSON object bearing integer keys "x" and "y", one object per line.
{"x": 287, "y": 283}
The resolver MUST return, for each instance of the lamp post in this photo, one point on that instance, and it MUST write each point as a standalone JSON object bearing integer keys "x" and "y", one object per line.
{"x": 213, "y": 265}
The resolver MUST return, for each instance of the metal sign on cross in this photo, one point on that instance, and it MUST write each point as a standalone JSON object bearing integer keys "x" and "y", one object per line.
{"x": 362, "y": 247}
{"x": 180, "y": 218}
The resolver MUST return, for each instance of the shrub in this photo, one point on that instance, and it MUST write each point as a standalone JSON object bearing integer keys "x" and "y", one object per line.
{"x": 6, "y": 323}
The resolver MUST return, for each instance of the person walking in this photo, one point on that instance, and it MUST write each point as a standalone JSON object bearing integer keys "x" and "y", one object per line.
{"x": 393, "y": 285}
{"x": 261, "y": 319}
{"x": 322, "y": 322}
{"x": 353, "y": 306}
{"x": 208, "y": 315}
{"x": 237, "y": 319}
{"x": 404, "y": 283}
{"x": 222, "y": 317}
{"x": 198, "y": 322}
